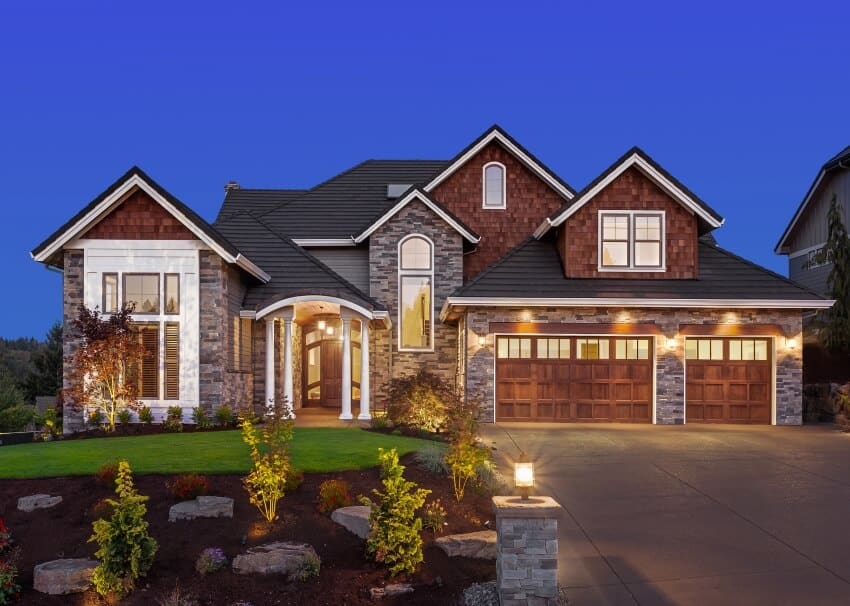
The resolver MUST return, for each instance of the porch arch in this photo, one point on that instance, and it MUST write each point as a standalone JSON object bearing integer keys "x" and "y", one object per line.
{"x": 343, "y": 303}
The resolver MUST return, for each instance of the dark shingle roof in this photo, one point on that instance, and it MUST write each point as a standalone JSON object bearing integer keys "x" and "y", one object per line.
{"x": 346, "y": 204}
{"x": 534, "y": 270}
{"x": 255, "y": 201}
{"x": 293, "y": 270}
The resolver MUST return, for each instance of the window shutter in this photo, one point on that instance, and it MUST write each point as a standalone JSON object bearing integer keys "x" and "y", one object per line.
{"x": 172, "y": 361}
{"x": 150, "y": 362}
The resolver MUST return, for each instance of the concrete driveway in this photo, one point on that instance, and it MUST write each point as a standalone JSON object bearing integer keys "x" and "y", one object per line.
{"x": 694, "y": 514}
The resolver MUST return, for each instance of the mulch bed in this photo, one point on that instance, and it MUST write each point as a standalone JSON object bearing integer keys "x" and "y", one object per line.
{"x": 346, "y": 574}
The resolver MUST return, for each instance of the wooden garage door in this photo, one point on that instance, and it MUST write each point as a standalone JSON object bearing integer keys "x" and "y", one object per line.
{"x": 728, "y": 380}
{"x": 574, "y": 379}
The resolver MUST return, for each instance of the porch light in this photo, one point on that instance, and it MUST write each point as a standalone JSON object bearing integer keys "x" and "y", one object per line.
{"x": 329, "y": 330}
{"x": 482, "y": 341}
{"x": 671, "y": 343}
{"x": 322, "y": 324}
{"x": 524, "y": 475}
{"x": 791, "y": 343}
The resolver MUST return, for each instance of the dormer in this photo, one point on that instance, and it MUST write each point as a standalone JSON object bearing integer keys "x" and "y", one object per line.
{"x": 634, "y": 221}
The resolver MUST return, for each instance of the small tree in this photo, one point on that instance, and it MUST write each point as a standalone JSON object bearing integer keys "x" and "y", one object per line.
{"x": 109, "y": 348}
{"x": 395, "y": 539}
{"x": 266, "y": 483}
{"x": 837, "y": 252}
{"x": 464, "y": 454}
{"x": 125, "y": 548}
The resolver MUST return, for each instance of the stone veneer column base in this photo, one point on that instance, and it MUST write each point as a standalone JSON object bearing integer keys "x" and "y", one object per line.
{"x": 527, "y": 550}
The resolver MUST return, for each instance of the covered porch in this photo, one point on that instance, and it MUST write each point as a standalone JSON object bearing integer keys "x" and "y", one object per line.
{"x": 318, "y": 355}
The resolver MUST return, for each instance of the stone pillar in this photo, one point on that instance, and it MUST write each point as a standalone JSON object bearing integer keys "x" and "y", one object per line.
{"x": 269, "y": 363}
{"x": 288, "y": 386}
{"x": 527, "y": 550}
{"x": 73, "y": 280}
{"x": 346, "y": 369}
{"x": 364, "y": 415}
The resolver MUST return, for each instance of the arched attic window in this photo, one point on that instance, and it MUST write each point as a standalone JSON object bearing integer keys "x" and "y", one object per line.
{"x": 415, "y": 285}
{"x": 494, "y": 185}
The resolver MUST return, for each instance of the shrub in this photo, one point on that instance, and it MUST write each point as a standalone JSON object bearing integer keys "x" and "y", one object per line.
{"x": 380, "y": 422}
{"x": 95, "y": 418}
{"x": 102, "y": 509}
{"x": 16, "y": 418}
{"x": 434, "y": 516}
{"x": 212, "y": 559}
{"x": 421, "y": 401}
{"x": 176, "y": 597}
{"x": 395, "y": 539}
{"x": 5, "y": 537}
{"x": 200, "y": 418}
{"x": 224, "y": 416}
{"x": 173, "y": 419}
{"x": 124, "y": 417}
{"x": 308, "y": 568}
{"x": 145, "y": 415}
{"x": 125, "y": 548}
{"x": 188, "y": 486}
{"x": 488, "y": 480}
{"x": 432, "y": 458}
{"x": 464, "y": 454}
{"x": 266, "y": 482}
{"x": 51, "y": 423}
{"x": 9, "y": 587}
{"x": 334, "y": 494}
{"x": 293, "y": 480}
{"x": 106, "y": 474}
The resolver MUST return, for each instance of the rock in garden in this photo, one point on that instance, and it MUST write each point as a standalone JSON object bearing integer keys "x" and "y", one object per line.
{"x": 38, "y": 501}
{"x": 202, "y": 507}
{"x": 354, "y": 519}
{"x": 58, "y": 577}
{"x": 390, "y": 591}
{"x": 481, "y": 544}
{"x": 281, "y": 557}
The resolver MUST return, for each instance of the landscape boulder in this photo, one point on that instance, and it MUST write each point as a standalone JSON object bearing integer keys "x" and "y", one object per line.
{"x": 69, "y": 575}
{"x": 281, "y": 557}
{"x": 481, "y": 545}
{"x": 38, "y": 501}
{"x": 202, "y": 507}
{"x": 354, "y": 519}
{"x": 390, "y": 591}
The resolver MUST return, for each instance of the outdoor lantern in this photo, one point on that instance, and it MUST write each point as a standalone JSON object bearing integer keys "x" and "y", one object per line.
{"x": 671, "y": 343}
{"x": 524, "y": 475}
{"x": 791, "y": 343}
{"x": 322, "y": 324}
{"x": 482, "y": 341}
{"x": 330, "y": 330}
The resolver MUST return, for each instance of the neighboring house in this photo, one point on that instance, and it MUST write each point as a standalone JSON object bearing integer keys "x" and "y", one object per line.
{"x": 543, "y": 303}
{"x": 806, "y": 234}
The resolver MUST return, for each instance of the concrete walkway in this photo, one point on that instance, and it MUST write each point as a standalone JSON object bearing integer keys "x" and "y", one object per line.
{"x": 659, "y": 515}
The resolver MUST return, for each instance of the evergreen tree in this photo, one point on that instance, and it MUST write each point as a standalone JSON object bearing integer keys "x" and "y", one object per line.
{"x": 837, "y": 251}
{"x": 44, "y": 377}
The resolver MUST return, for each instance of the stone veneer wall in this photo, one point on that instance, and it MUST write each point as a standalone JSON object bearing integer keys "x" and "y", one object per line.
{"x": 238, "y": 386}
{"x": 670, "y": 372}
{"x": 415, "y": 218}
{"x": 73, "y": 279}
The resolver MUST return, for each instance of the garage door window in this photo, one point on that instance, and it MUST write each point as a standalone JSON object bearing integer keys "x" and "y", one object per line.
{"x": 553, "y": 349}
{"x": 514, "y": 348}
{"x": 747, "y": 349}
{"x": 592, "y": 349}
{"x": 632, "y": 349}
{"x": 704, "y": 349}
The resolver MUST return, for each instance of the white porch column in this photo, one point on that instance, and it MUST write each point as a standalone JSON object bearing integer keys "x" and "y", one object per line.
{"x": 346, "y": 368}
{"x": 269, "y": 363}
{"x": 364, "y": 415}
{"x": 288, "y": 389}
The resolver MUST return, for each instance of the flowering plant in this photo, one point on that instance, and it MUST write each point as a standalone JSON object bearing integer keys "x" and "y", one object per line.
{"x": 212, "y": 559}
{"x": 5, "y": 536}
{"x": 9, "y": 589}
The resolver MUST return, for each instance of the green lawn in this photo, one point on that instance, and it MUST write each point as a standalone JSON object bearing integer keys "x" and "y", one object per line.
{"x": 314, "y": 449}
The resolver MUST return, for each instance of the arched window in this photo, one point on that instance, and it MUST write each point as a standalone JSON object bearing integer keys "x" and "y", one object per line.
{"x": 415, "y": 286}
{"x": 494, "y": 185}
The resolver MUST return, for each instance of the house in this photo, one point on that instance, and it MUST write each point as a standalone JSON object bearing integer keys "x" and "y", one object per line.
{"x": 806, "y": 233}
{"x": 613, "y": 303}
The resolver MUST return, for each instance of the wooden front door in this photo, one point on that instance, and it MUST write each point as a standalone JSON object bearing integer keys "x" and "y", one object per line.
{"x": 331, "y": 373}
{"x": 728, "y": 380}
{"x": 322, "y": 366}
{"x": 563, "y": 378}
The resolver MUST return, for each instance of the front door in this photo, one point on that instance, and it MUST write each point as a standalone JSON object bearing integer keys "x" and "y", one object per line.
{"x": 322, "y": 365}
{"x": 331, "y": 379}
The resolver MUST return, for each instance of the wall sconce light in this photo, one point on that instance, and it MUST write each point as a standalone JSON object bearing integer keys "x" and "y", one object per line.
{"x": 671, "y": 343}
{"x": 482, "y": 341}
{"x": 791, "y": 343}
{"x": 322, "y": 324}
{"x": 524, "y": 475}
{"x": 329, "y": 330}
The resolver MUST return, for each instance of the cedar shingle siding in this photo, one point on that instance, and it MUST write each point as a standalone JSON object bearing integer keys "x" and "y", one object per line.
{"x": 139, "y": 218}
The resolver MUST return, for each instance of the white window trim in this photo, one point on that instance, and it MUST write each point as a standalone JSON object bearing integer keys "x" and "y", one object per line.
{"x": 504, "y": 203}
{"x": 400, "y": 273}
{"x": 631, "y": 268}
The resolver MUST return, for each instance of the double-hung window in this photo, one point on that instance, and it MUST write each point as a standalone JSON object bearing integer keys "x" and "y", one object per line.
{"x": 415, "y": 284}
{"x": 631, "y": 240}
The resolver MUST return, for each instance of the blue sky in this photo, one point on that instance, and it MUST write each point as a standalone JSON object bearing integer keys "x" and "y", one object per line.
{"x": 741, "y": 101}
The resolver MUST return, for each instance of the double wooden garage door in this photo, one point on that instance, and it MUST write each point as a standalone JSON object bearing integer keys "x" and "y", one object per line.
{"x": 728, "y": 380}
{"x": 574, "y": 379}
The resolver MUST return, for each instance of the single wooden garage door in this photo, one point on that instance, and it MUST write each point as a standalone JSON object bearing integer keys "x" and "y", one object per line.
{"x": 728, "y": 380}
{"x": 574, "y": 379}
